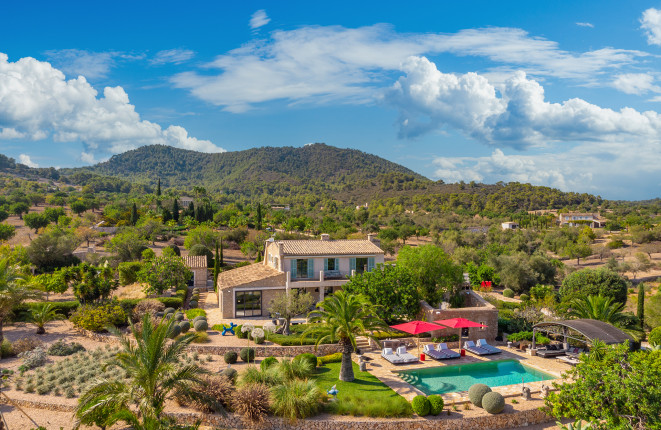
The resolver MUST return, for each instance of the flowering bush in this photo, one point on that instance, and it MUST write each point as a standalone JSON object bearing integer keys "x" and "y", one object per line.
{"x": 97, "y": 318}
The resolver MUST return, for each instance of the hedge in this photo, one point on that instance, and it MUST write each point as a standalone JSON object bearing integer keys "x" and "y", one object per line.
{"x": 67, "y": 308}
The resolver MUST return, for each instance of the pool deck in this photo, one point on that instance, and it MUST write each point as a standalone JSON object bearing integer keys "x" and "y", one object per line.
{"x": 387, "y": 372}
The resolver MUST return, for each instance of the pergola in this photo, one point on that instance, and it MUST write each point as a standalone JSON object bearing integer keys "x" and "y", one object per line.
{"x": 590, "y": 329}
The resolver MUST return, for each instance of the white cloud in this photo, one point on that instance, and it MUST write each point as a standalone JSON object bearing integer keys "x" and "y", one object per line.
{"x": 635, "y": 83}
{"x": 172, "y": 56}
{"x": 319, "y": 64}
{"x": 651, "y": 23}
{"x": 585, "y": 24}
{"x": 76, "y": 62}
{"x": 259, "y": 19}
{"x": 37, "y": 102}
{"x": 25, "y": 159}
{"x": 517, "y": 115}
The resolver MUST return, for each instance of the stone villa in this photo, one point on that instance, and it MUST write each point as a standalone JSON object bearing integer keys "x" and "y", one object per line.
{"x": 319, "y": 267}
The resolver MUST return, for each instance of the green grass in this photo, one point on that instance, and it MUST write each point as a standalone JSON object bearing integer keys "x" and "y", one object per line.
{"x": 365, "y": 396}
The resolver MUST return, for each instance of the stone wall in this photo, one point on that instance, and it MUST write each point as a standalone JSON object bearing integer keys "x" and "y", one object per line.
{"x": 478, "y": 310}
{"x": 200, "y": 276}
{"x": 442, "y": 422}
{"x": 260, "y": 350}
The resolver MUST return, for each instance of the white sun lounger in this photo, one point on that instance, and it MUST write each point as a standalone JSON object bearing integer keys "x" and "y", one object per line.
{"x": 434, "y": 353}
{"x": 405, "y": 356}
{"x": 443, "y": 347}
{"x": 482, "y": 343}
{"x": 390, "y": 356}
{"x": 469, "y": 345}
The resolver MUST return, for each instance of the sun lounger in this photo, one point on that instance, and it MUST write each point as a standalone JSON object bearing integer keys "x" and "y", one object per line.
{"x": 405, "y": 356}
{"x": 574, "y": 352}
{"x": 390, "y": 356}
{"x": 443, "y": 347}
{"x": 482, "y": 343}
{"x": 551, "y": 351}
{"x": 433, "y": 353}
{"x": 569, "y": 360}
{"x": 469, "y": 345}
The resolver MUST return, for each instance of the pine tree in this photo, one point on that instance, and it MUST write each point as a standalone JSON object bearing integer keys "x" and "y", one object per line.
{"x": 134, "y": 214}
{"x": 259, "y": 216}
{"x": 175, "y": 211}
{"x": 641, "y": 304}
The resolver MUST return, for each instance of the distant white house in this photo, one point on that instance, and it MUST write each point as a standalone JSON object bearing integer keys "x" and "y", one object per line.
{"x": 185, "y": 201}
{"x": 509, "y": 225}
{"x": 575, "y": 219}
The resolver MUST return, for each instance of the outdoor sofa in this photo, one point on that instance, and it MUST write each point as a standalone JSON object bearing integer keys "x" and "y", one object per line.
{"x": 551, "y": 351}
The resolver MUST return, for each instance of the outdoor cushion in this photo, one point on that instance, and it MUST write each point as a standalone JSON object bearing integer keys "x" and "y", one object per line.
{"x": 469, "y": 345}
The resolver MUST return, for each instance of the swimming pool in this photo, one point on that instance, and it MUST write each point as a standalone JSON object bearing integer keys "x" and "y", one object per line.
{"x": 450, "y": 379}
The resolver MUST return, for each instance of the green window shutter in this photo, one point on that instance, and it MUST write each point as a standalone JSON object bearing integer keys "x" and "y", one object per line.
{"x": 352, "y": 264}
{"x": 310, "y": 268}
{"x": 370, "y": 264}
{"x": 337, "y": 264}
{"x": 325, "y": 264}
{"x": 293, "y": 268}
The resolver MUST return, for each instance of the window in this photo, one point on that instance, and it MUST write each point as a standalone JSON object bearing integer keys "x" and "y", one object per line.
{"x": 328, "y": 291}
{"x": 361, "y": 265}
{"x": 248, "y": 303}
{"x": 302, "y": 268}
{"x": 331, "y": 264}
{"x": 484, "y": 325}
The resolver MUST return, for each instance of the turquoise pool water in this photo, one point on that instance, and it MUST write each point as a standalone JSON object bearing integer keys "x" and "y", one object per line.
{"x": 450, "y": 379}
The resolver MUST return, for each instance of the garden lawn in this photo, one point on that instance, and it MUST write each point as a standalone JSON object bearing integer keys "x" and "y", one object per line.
{"x": 365, "y": 396}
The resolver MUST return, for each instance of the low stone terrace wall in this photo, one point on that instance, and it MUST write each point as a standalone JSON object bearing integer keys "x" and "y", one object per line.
{"x": 260, "y": 351}
{"x": 233, "y": 421}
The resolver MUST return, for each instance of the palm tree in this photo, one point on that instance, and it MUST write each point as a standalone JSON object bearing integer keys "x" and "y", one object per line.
{"x": 42, "y": 315}
{"x": 598, "y": 308}
{"x": 13, "y": 290}
{"x": 342, "y": 318}
{"x": 155, "y": 372}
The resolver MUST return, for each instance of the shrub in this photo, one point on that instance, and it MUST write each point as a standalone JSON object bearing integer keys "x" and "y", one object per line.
{"x": 248, "y": 354}
{"x": 307, "y": 357}
{"x": 296, "y": 399}
{"x": 421, "y": 405}
{"x": 655, "y": 337}
{"x": 178, "y": 316}
{"x": 240, "y": 334}
{"x": 62, "y": 349}
{"x": 193, "y": 304}
{"x": 6, "y": 349}
{"x": 175, "y": 331}
{"x": 201, "y": 337}
{"x": 230, "y": 357}
{"x": 524, "y": 297}
{"x": 330, "y": 358}
{"x": 148, "y": 306}
{"x": 184, "y": 326}
{"x": 508, "y": 292}
{"x": 597, "y": 282}
{"x": 527, "y": 335}
{"x": 493, "y": 402}
{"x": 23, "y": 311}
{"x": 26, "y": 344}
{"x": 32, "y": 359}
{"x": 198, "y": 318}
{"x": 192, "y": 313}
{"x": 200, "y": 249}
{"x": 229, "y": 374}
{"x": 259, "y": 340}
{"x": 128, "y": 272}
{"x": 267, "y": 362}
{"x": 436, "y": 404}
{"x": 201, "y": 325}
{"x": 97, "y": 318}
{"x": 217, "y": 389}
{"x": 173, "y": 302}
{"x": 252, "y": 402}
{"x": 168, "y": 310}
{"x": 476, "y": 392}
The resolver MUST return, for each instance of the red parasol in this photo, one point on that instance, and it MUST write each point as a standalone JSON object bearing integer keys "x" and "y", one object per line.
{"x": 459, "y": 323}
{"x": 417, "y": 327}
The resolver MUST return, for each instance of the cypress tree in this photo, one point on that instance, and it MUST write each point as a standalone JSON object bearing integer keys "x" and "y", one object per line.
{"x": 134, "y": 214}
{"x": 216, "y": 267}
{"x": 641, "y": 304}
{"x": 175, "y": 211}
{"x": 221, "y": 252}
{"x": 158, "y": 194}
{"x": 259, "y": 216}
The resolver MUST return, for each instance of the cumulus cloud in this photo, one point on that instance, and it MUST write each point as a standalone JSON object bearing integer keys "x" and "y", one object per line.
{"x": 585, "y": 24}
{"x": 318, "y": 64}
{"x": 517, "y": 115}
{"x": 172, "y": 56}
{"x": 259, "y": 19}
{"x": 37, "y": 102}
{"x": 25, "y": 159}
{"x": 635, "y": 83}
{"x": 651, "y": 23}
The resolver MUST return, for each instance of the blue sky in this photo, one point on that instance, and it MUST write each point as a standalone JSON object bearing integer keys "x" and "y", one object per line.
{"x": 564, "y": 94}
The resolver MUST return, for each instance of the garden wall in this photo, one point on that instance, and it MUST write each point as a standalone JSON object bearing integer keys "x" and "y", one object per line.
{"x": 260, "y": 351}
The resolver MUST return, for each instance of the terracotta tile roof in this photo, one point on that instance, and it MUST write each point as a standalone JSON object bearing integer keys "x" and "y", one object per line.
{"x": 330, "y": 247}
{"x": 196, "y": 261}
{"x": 256, "y": 272}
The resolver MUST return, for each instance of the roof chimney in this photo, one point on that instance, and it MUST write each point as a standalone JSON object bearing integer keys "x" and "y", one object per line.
{"x": 375, "y": 240}
{"x": 325, "y": 236}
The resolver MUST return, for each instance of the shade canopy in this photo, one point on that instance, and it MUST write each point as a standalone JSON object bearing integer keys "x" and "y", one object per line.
{"x": 459, "y": 323}
{"x": 417, "y": 327}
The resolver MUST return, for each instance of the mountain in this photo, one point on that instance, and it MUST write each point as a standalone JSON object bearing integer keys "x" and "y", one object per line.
{"x": 316, "y": 166}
